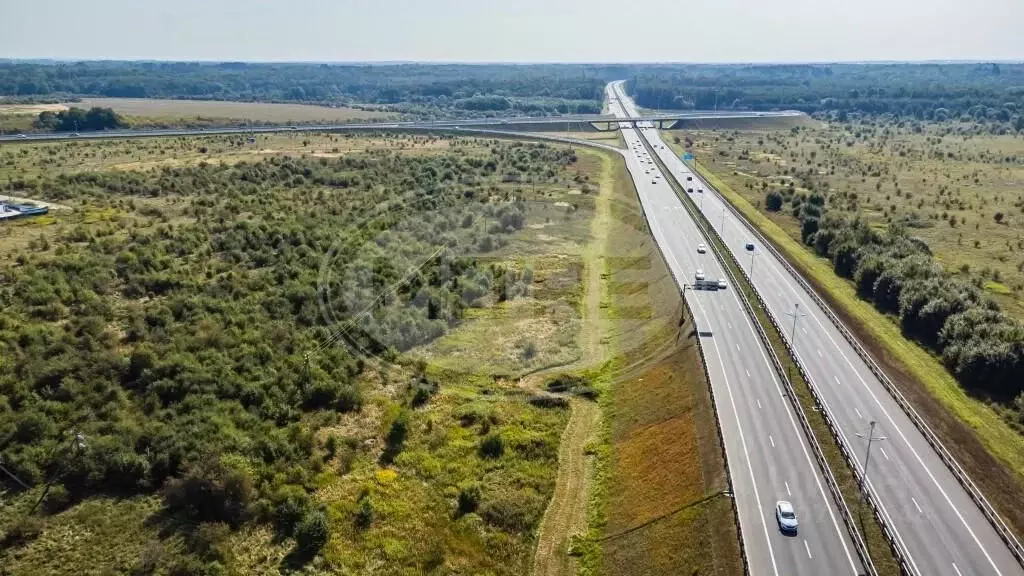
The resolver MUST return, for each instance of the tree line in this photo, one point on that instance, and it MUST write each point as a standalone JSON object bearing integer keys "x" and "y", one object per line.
{"x": 923, "y": 91}
{"x": 981, "y": 345}
{"x": 526, "y": 88}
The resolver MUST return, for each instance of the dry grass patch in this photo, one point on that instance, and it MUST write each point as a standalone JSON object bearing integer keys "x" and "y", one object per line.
{"x": 146, "y": 108}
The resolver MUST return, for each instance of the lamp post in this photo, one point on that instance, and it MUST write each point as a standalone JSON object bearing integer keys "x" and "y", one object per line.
{"x": 867, "y": 457}
{"x": 796, "y": 314}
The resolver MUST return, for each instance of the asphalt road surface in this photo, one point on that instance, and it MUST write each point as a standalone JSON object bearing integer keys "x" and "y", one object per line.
{"x": 941, "y": 530}
{"x": 768, "y": 455}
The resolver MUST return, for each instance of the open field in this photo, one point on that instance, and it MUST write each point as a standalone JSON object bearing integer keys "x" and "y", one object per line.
{"x": 29, "y": 109}
{"x": 146, "y": 112}
{"x": 144, "y": 109}
{"x": 19, "y": 162}
{"x": 981, "y": 435}
{"x": 441, "y": 466}
{"x": 611, "y": 138}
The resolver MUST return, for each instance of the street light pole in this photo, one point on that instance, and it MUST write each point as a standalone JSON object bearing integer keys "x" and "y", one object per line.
{"x": 751, "y": 272}
{"x": 867, "y": 457}
{"x": 796, "y": 314}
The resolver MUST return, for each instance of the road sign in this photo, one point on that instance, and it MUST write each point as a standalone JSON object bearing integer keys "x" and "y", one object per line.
{"x": 687, "y": 156}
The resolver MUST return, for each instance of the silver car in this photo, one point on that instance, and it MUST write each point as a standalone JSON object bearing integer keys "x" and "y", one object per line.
{"x": 786, "y": 517}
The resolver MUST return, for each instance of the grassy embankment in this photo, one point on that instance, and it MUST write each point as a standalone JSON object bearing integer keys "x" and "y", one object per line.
{"x": 655, "y": 508}
{"x": 990, "y": 450}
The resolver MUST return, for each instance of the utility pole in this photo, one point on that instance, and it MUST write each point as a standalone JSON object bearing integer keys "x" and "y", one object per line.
{"x": 867, "y": 457}
{"x": 721, "y": 229}
{"x": 796, "y": 314}
{"x": 751, "y": 271}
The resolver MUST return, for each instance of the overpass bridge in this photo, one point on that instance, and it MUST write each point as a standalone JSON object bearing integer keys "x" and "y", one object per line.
{"x": 540, "y": 123}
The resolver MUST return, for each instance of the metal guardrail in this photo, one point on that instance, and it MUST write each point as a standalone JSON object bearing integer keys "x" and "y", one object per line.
{"x": 998, "y": 524}
{"x": 707, "y": 377}
{"x": 819, "y": 455}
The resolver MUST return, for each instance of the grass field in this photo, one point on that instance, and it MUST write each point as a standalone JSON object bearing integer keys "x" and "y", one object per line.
{"x": 656, "y": 509}
{"x": 611, "y": 137}
{"x": 976, "y": 432}
{"x": 154, "y": 112}
{"x": 20, "y": 162}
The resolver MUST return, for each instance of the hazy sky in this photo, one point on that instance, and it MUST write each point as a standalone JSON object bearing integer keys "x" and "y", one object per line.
{"x": 514, "y": 30}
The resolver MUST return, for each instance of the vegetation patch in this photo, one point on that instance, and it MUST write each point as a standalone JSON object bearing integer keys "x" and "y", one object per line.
{"x": 221, "y": 365}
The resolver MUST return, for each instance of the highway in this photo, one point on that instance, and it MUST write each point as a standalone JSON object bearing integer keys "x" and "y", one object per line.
{"x": 410, "y": 125}
{"x": 768, "y": 455}
{"x": 939, "y": 527}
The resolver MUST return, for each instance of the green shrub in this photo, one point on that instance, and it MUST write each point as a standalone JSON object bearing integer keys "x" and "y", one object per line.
{"x": 492, "y": 446}
{"x": 312, "y": 534}
{"x": 469, "y": 499}
{"x": 365, "y": 512}
{"x": 513, "y": 509}
{"x": 395, "y": 439}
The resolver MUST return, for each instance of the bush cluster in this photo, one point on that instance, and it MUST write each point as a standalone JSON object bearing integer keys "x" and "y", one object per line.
{"x": 982, "y": 346}
{"x": 177, "y": 348}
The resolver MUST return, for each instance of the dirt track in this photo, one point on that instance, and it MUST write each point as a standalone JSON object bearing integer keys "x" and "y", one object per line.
{"x": 567, "y": 512}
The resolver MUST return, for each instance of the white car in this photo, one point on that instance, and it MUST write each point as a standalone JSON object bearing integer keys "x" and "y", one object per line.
{"x": 654, "y": 181}
{"x": 22, "y": 136}
{"x": 786, "y": 517}
{"x": 699, "y": 275}
{"x": 701, "y": 248}
{"x": 722, "y": 285}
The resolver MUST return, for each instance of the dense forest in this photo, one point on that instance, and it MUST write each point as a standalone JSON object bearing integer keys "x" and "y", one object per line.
{"x": 185, "y": 350}
{"x": 993, "y": 92}
{"x": 925, "y": 91}
{"x": 522, "y": 89}
{"x": 982, "y": 346}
